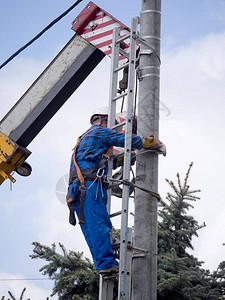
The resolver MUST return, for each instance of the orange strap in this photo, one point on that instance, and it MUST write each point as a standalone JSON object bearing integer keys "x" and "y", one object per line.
{"x": 69, "y": 200}
{"x": 79, "y": 174}
{"x": 108, "y": 153}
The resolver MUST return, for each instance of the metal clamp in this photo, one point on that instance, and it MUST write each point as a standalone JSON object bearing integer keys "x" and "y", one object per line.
{"x": 143, "y": 42}
{"x": 151, "y": 11}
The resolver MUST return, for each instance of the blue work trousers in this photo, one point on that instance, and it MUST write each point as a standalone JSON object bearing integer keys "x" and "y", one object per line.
{"x": 97, "y": 224}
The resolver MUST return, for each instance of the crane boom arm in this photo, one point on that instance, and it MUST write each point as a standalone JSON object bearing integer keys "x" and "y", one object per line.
{"x": 42, "y": 100}
{"x": 92, "y": 41}
{"x": 50, "y": 90}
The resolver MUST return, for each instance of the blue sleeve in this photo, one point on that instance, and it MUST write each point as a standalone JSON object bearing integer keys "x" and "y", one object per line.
{"x": 114, "y": 138}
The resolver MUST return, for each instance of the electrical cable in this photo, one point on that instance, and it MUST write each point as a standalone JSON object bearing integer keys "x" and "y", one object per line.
{"x": 86, "y": 277}
{"x": 39, "y": 34}
{"x": 21, "y": 279}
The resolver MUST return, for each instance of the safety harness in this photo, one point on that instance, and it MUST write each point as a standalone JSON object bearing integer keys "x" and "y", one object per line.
{"x": 78, "y": 174}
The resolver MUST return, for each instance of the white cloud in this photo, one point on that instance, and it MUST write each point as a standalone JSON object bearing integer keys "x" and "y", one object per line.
{"x": 54, "y": 225}
{"x": 191, "y": 87}
{"x": 211, "y": 250}
{"x": 208, "y": 55}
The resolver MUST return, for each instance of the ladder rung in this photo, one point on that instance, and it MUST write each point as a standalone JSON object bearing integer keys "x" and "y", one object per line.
{"x": 115, "y": 214}
{"x": 110, "y": 277}
{"x": 124, "y": 53}
{"x": 121, "y": 67}
{"x": 118, "y": 125}
{"x": 120, "y": 96}
{"x": 116, "y": 245}
{"x": 123, "y": 38}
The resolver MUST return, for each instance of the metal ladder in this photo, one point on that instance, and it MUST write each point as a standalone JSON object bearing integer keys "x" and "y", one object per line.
{"x": 125, "y": 261}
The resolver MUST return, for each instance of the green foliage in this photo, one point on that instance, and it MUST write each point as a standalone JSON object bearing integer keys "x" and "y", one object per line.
{"x": 180, "y": 275}
{"x": 178, "y": 279}
{"x": 219, "y": 277}
{"x": 176, "y": 228}
{"x": 75, "y": 277}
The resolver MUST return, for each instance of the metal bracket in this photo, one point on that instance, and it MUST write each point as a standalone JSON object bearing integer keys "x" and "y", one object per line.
{"x": 136, "y": 255}
{"x": 146, "y": 52}
{"x": 143, "y": 42}
{"x": 138, "y": 249}
{"x": 139, "y": 74}
{"x": 6, "y": 176}
{"x": 139, "y": 255}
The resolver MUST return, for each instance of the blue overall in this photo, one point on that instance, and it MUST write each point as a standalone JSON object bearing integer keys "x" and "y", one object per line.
{"x": 97, "y": 224}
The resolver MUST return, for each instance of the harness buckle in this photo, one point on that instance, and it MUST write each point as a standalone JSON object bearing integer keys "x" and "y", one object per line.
{"x": 98, "y": 172}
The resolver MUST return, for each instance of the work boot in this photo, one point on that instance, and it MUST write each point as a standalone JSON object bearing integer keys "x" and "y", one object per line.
{"x": 109, "y": 271}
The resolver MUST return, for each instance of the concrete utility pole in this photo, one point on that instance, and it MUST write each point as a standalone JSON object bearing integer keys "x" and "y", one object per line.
{"x": 144, "y": 285}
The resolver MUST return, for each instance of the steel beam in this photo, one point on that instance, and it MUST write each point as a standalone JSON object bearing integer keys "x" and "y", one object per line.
{"x": 50, "y": 90}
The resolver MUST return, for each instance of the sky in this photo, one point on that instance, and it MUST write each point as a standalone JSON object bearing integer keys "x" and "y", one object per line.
{"x": 191, "y": 125}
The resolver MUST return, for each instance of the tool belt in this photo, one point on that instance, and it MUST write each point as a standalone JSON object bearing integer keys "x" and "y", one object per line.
{"x": 89, "y": 174}
{"x": 81, "y": 193}
{"x": 80, "y": 175}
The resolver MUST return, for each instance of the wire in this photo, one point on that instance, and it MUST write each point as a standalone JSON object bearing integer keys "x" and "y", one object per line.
{"x": 20, "y": 279}
{"x": 40, "y": 34}
{"x": 86, "y": 277}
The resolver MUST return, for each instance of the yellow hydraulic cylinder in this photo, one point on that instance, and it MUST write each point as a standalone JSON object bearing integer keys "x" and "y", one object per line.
{"x": 11, "y": 157}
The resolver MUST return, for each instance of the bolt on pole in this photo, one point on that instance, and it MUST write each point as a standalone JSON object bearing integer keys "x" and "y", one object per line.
{"x": 144, "y": 281}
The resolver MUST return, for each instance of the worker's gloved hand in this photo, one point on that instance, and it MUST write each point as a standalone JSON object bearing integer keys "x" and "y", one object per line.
{"x": 151, "y": 142}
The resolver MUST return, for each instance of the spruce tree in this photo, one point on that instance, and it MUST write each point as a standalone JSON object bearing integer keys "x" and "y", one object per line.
{"x": 74, "y": 277}
{"x": 176, "y": 228}
{"x": 180, "y": 275}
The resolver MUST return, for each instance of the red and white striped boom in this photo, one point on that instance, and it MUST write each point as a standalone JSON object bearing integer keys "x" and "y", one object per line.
{"x": 96, "y": 26}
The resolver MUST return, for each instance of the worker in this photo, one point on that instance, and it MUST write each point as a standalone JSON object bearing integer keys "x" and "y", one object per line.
{"x": 88, "y": 189}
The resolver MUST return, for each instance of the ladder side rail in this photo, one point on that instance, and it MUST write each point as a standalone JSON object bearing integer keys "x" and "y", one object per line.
{"x": 124, "y": 275}
{"x": 113, "y": 94}
{"x": 106, "y": 286}
{"x": 113, "y": 78}
{"x": 105, "y": 289}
